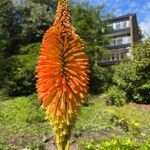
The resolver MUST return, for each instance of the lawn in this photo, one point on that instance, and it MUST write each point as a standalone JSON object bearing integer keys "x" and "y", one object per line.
{"x": 23, "y": 125}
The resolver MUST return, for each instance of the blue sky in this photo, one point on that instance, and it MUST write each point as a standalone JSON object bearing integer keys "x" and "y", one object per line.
{"x": 122, "y": 7}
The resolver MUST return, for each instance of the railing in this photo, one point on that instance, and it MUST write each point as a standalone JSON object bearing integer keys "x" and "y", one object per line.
{"x": 118, "y": 32}
{"x": 108, "y": 62}
{"x": 119, "y": 46}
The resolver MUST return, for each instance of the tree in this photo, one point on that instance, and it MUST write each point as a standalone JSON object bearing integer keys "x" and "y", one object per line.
{"x": 90, "y": 25}
{"x": 51, "y": 3}
{"x": 9, "y": 32}
{"x": 21, "y": 72}
{"x": 8, "y": 27}
{"x": 35, "y": 20}
{"x": 20, "y": 24}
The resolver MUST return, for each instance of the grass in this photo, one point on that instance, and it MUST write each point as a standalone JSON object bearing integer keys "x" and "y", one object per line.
{"x": 94, "y": 117}
{"x": 22, "y": 121}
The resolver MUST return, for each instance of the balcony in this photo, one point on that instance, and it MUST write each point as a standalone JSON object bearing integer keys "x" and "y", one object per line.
{"x": 119, "y": 32}
{"x": 115, "y": 57}
{"x": 106, "y": 63}
{"x": 122, "y": 46}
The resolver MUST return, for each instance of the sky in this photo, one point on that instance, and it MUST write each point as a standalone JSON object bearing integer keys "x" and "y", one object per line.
{"x": 122, "y": 7}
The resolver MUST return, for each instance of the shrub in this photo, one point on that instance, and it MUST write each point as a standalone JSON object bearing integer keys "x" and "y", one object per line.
{"x": 100, "y": 79}
{"x": 133, "y": 76}
{"x": 119, "y": 144}
{"x": 116, "y": 143}
{"x": 115, "y": 96}
{"x": 21, "y": 80}
{"x": 88, "y": 145}
{"x": 4, "y": 147}
{"x": 7, "y": 67}
{"x": 125, "y": 78}
{"x": 23, "y": 110}
{"x": 143, "y": 93}
{"x": 123, "y": 121}
{"x": 145, "y": 145}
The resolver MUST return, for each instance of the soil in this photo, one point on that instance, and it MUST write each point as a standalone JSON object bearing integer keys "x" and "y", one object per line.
{"x": 84, "y": 136}
{"x": 19, "y": 143}
{"x": 142, "y": 106}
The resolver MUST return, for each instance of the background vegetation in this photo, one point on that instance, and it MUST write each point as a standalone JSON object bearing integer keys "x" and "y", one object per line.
{"x": 22, "y": 25}
{"x": 29, "y": 20}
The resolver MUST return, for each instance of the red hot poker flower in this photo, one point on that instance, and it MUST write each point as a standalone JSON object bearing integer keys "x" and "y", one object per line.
{"x": 62, "y": 72}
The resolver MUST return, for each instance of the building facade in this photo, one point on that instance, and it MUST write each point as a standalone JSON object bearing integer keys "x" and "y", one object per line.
{"x": 124, "y": 34}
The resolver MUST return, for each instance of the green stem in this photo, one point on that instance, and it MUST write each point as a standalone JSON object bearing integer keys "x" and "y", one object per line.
{"x": 63, "y": 145}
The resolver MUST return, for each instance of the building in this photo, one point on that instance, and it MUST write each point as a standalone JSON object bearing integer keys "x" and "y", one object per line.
{"x": 124, "y": 34}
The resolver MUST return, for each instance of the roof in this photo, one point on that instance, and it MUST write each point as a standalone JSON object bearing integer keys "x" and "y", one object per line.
{"x": 119, "y": 18}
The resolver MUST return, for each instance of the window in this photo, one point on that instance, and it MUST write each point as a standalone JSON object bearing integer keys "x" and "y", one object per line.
{"x": 119, "y": 41}
{"x": 113, "y": 57}
{"x": 112, "y": 42}
{"x": 124, "y": 25}
{"x": 117, "y": 56}
{"x": 126, "y": 39}
{"x": 122, "y": 55}
{"x": 118, "y": 26}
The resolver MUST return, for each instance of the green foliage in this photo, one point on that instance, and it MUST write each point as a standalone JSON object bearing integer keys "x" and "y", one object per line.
{"x": 22, "y": 120}
{"x": 22, "y": 23}
{"x": 93, "y": 117}
{"x": 36, "y": 146}
{"x": 100, "y": 79}
{"x": 22, "y": 110}
{"x": 88, "y": 145}
{"x": 126, "y": 78}
{"x": 141, "y": 53}
{"x": 133, "y": 76}
{"x": 114, "y": 96}
{"x": 21, "y": 80}
{"x": 4, "y": 147}
{"x": 36, "y": 19}
{"x": 143, "y": 92}
{"x": 116, "y": 143}
{"x": 90, "y": 25}
{"x": 145, "y": 145}
{"x": 50, "y": 3}
{"x": 119, "y": 144}
{"x": 120, "y": 119}
{"x": 9, "y": 27}
{"x": 7, "y": 66}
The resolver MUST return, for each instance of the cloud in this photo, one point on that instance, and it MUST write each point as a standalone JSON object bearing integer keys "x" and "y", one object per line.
{"x": 145, "y": 26}
{"x": 133, "y": 5}
{"x": 148, "y": 5}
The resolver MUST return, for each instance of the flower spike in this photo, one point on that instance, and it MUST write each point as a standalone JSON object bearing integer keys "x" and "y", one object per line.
{"x": 62, "y": 72}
